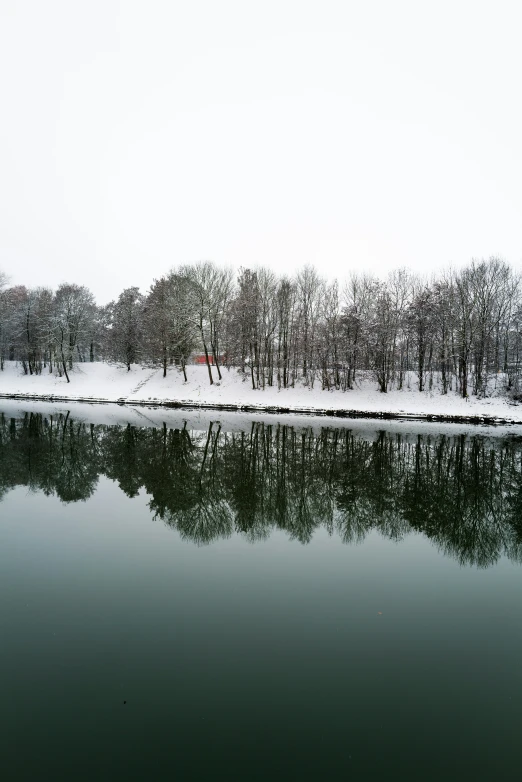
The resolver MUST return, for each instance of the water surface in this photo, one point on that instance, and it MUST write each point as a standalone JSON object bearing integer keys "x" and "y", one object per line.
{"x": 258, "y": 602}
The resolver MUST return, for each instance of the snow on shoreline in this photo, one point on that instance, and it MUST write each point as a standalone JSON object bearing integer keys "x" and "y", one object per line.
{"x": 146, "y": 387}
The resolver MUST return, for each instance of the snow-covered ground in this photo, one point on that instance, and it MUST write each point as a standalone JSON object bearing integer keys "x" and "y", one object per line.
{"x": 100, "y": 382}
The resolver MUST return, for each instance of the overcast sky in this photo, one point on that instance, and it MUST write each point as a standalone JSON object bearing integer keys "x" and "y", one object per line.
{"x": 138, "y": 135}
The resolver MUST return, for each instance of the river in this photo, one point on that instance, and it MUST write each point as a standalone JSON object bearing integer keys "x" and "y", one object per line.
{"x": 256, "y": 600}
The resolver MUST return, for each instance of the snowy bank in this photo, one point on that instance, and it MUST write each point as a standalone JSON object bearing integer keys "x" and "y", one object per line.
{"x": 144, "y": 386}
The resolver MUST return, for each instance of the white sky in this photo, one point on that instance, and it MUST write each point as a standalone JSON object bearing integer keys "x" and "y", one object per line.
{"x": 138, "y": 135}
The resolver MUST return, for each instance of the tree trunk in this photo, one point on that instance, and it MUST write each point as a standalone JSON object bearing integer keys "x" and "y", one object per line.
{"x": 208, "y": 363}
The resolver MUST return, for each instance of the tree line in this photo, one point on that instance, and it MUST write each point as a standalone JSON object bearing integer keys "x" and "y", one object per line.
{"x": 464, "y": 494}
{"x": 459, "y": 330}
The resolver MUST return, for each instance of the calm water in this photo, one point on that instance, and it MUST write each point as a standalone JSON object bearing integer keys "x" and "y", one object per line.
{"x": 259, "y": 604}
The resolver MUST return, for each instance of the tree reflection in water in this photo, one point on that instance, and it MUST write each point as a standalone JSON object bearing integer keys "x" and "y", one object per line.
{"x": 463, "y": 492}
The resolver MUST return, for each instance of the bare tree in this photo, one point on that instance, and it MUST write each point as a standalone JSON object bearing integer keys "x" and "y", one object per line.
{"x": 209, "y": 292}
{"x": 420, "y": 323}
{"x": 73, "y": 308}
{"x": 360, "y": 293}
{"x": 308, "y": 296}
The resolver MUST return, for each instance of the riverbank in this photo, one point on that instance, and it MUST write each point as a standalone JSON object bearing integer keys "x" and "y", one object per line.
{"x": 143, "y": 386}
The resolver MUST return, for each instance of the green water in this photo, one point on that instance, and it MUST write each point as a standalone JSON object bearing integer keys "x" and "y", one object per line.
{"x": 265, "y": 603}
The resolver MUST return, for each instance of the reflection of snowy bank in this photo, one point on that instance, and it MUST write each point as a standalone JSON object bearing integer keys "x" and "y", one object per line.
{"x": 100, "y": 382}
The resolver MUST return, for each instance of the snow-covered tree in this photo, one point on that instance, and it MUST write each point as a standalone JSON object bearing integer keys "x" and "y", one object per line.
{"x": 125, "y": 336}
{"x": 74, "y": 308}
